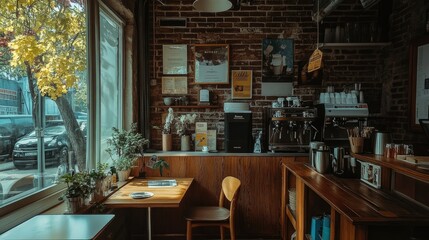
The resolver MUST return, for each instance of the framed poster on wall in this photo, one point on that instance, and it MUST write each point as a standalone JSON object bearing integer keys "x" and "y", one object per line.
{"x": 277, "y": 60}
{"x": 419, "y": 81}
{"x": 241, "y": 84}
{"x": 211, "y": 63}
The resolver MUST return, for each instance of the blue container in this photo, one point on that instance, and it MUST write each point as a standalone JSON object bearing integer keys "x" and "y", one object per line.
{"x": 326, "y": 232}
{"x": 316, "y": 227}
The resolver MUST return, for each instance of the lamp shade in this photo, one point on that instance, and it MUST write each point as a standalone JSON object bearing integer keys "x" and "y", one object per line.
{"x": 212, "y": 5}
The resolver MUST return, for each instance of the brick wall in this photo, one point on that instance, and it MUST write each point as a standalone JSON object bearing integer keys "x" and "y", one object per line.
{"x": 408, "y": 22}
{"x": 244, "y": 31}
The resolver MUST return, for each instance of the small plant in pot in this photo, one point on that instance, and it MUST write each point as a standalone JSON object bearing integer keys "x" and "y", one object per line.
{"x": 79, "y": 188}
{"x": 158, "y": 163}
{"x": 123, "y": 148}
{"x": 98, "y": 177}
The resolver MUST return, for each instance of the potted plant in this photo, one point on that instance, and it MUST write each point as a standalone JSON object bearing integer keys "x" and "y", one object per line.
{"x": 158, "y": 163}
{"x": 79, "y": 188}
{"x": 123, "y": 147}
{"x": 183, "y": 126}
{"x": 98, "y": 177}
{"x": 167, "y": 142}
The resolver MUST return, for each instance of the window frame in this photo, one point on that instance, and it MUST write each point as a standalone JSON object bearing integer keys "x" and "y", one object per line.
{"x": 23, "y": 209}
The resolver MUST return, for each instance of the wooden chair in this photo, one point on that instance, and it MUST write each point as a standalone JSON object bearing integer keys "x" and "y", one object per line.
{"x": 216, "y": 216}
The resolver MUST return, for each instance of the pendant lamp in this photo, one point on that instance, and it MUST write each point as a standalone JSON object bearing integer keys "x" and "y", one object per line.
{"x": 212, "y": 5}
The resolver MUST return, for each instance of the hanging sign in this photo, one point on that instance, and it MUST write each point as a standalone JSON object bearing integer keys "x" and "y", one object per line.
{"x": 315, "y": 61}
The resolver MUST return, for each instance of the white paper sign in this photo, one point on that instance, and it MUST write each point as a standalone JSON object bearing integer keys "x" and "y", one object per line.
{"x": 174, "y": 59}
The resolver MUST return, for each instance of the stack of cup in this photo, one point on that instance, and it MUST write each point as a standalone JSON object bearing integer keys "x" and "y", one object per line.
{"x": 292, "y": 199}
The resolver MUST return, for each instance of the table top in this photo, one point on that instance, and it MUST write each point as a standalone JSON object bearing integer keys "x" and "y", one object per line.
{"x": 60, "y": 227}
{"x": 164, "y": 196}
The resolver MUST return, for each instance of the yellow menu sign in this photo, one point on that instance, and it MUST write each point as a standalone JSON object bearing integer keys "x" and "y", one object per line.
{"x": 315, "y": 61}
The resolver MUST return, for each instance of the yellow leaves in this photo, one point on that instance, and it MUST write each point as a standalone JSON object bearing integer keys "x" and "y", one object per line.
{"x": 10, "y": 6}
{"x": 48, "y": 36}
{"x": 25, "y": 49}
{"x": 57, "y": 76}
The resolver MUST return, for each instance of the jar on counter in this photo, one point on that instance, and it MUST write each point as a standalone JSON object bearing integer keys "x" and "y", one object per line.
{"x": 389, "y": 150}
{"x": 399, "y": 150}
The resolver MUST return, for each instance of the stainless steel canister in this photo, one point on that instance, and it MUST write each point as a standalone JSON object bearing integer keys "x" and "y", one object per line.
{"x": 380, "y": 140}
{"x": 314, "y": 145}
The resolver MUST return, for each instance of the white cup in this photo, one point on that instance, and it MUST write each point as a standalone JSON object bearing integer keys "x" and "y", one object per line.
{"x": 322, "y": 97}
{"x": 337, "y": 98}
{"x": 205, "y": 149}
{"x": 168, "y": 101}
{"x": 327, "y": 98}
{"x": 349, "y": 98}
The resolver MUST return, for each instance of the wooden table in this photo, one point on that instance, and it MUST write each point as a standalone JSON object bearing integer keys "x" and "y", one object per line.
{"x": 60, "y": 227}
{"x": 164, "y": 197}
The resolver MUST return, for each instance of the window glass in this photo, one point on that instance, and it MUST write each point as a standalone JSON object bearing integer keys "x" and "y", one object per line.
{"x": 42, "y": 82}
{"x": 110, "y": 80}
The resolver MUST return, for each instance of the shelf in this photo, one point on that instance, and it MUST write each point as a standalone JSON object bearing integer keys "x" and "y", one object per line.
{"x": 292, "y": 118}
{"x": 355, "y": 45}
{"x": 399, "y": 166}
{"x": 188, "y": 106}
{"x": 291, "y": 216}
{"x": 358, "y": 202}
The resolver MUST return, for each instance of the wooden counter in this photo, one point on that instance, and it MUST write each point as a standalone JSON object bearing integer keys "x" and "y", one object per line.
{"x": 399, "y": 166}
{"x": 401, "y": 178}
{"x": 354, "y": 206}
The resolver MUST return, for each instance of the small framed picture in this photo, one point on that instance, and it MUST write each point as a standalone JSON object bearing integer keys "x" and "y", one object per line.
{"x": 174, "y": 85}
{"x": 174, "y": 59}
{"x": 241, "y": 87}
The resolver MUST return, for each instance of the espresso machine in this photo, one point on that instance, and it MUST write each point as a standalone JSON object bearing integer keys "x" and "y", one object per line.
{"x": 289, "y": 129}
{"x": 333, "y": 121}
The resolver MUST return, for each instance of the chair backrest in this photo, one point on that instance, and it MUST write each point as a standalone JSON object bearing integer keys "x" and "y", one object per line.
{"x": 230, "y": 187}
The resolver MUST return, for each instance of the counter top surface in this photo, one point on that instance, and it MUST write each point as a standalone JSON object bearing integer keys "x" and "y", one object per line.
{"x": 412, "y": 170}
{"x": 360, "y": 203}
{"x": 223, "y": 154}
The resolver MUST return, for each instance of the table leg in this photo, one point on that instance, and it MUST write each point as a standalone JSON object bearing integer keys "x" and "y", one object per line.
{"x": 149, "y": 229}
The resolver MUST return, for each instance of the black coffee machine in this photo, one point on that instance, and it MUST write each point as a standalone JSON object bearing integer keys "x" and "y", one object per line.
{"x": 238, "y": 128}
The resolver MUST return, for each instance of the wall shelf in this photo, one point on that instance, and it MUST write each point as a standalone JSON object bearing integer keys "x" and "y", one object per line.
{"x": 187, "y": 106}
{"x": 355, "y": 45}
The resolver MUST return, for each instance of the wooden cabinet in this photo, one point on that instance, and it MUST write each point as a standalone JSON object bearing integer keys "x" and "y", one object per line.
{"x": 258, "y": 209}
{"x": 357, "y": 211}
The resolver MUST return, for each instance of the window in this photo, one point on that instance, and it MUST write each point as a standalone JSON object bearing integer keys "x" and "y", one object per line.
{"x": 111, "y": 78}
{"x": 31, "y": 162}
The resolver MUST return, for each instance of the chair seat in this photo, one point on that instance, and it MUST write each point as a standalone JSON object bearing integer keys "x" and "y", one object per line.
{"x": 214, "y": 214}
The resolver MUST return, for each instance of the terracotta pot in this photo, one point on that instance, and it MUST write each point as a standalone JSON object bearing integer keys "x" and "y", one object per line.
{"x": 167, "y": 142}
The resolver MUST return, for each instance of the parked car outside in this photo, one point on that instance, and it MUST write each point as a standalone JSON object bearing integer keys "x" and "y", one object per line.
{"x": 56, "y": 142}
{"x": 12, "y": 127}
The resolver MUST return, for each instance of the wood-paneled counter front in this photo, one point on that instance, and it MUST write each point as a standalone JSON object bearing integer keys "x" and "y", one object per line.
{"x": 259, "y": 203}
{"x": 357, "y": 210}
